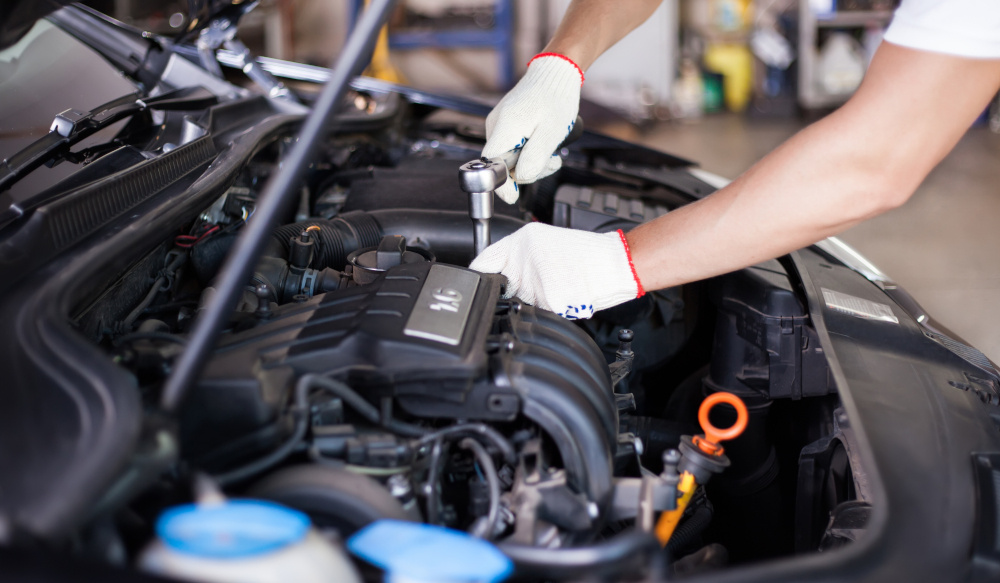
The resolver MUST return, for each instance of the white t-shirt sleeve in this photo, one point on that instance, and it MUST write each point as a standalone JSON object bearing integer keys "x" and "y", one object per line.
{"x": 965, "y": 28}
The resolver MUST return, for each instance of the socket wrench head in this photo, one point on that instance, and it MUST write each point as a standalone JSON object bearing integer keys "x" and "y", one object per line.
{"x": 482, "y": 175}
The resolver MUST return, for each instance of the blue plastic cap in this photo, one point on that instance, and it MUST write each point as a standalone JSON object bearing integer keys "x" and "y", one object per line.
{"x": 422, "y": 552}
{"x": 234, "y": 529}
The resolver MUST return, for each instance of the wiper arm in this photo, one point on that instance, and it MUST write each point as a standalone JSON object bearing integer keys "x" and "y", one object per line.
{"x": 71, "y": 126}
{"x": 68, "y": 128}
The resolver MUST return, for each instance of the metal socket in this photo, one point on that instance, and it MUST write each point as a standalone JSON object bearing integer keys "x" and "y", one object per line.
{"x": 482, "y": 175}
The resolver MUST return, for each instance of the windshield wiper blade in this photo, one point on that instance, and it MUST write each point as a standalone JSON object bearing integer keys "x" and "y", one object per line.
{"x": 68, "y": 128}
{"x": 71, "y": 126}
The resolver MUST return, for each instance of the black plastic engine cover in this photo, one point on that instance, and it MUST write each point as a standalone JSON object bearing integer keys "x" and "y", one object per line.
{"x": 368, "y": 332}
{"x": 438, "y": 340}
{"x": 358, "y": 334}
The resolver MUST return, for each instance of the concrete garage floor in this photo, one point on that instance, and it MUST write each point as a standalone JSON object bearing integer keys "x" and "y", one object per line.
{"x": 943, "y": 245}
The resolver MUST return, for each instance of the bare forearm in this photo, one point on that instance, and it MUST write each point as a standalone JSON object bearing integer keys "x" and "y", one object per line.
{"x": 591, "y": 27}
{"x": 866, "y": 158}
{"x": 789, "y": 200}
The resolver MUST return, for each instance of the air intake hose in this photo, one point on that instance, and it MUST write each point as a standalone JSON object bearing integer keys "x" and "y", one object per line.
{"x": 338, "y": 237}
{"x": 448, "y": 234}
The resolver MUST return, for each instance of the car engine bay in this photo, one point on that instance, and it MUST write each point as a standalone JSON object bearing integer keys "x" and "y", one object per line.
{"x": 363, "y": 374}
{"x": 364, "y": 356}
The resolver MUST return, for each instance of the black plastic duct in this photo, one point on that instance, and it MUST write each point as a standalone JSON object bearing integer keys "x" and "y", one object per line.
{"x": 448, "y": 234}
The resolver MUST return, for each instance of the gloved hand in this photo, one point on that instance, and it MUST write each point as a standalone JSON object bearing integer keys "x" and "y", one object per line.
{"x": 535, "y": 117}
{"x": 573, "y": 273}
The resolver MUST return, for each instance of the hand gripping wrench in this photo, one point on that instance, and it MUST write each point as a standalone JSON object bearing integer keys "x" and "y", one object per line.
{"x": 481, "y": 177}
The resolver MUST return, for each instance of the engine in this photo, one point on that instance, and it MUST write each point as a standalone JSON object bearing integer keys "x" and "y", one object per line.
{"x": 425, "y": 340}
{"x": 366, "y": 373}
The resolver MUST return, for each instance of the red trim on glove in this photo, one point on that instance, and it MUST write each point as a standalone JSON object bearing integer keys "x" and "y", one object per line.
{"x": 628, "y": 253}
{"x": 563, "y": 57}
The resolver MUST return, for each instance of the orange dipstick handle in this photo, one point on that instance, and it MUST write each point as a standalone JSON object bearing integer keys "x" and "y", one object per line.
{"x": 713, "y": 435}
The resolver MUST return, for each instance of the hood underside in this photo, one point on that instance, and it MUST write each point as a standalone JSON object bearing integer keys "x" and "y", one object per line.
{"x": 18, "y": 16}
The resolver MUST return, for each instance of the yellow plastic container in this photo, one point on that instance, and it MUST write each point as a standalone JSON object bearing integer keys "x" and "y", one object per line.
{"x": 735, "y": 63}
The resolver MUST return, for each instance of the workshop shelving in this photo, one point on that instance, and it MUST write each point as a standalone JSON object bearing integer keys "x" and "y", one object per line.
{"x": 811, "y": 93}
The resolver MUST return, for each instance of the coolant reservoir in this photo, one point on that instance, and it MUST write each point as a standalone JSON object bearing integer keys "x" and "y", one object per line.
{"x": 247, "y": 541}
{"x": 410, "y": 552}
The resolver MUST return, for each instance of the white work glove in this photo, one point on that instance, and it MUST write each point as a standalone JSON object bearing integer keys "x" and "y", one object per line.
{"x": 572, "y": 273}
{"x": 535, "y": 117}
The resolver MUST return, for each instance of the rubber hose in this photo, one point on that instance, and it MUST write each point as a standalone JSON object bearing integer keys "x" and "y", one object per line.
{"x": 493, "y": 481}
{"x": 338, "y": 237}
{"x": 433, "y": 468}
{"x": 656, "y": 434}
{"x": 622, "y": 555}
{"x": 448, "y": 234}
{"x": 359, "y": 404}
{"x": 690, "y": 529}
{"x": 473, "y": 430}
{"x": 331, "y": 496}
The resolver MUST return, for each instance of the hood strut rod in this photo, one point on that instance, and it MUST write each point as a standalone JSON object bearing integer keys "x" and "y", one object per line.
{"x": 276, "y": 197}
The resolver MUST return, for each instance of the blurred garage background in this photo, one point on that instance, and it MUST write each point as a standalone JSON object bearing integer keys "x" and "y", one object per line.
{"x": 721, "y": 82}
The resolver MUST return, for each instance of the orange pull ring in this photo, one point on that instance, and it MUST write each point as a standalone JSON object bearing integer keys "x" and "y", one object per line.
{"x": 713, "y": 435}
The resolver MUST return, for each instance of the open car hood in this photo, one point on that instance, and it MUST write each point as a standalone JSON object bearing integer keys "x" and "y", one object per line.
{"x": 17, "y": 16}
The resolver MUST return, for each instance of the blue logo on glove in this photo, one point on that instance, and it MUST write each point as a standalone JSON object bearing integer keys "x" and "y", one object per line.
{"x": 581, "y": 312}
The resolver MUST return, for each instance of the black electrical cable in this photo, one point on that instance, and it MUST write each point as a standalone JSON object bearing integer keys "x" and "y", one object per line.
{"x": 273, "y": 201}
{"x": 474, "y": 430}
{"x": 362, "y": 406}
{"x": 437, "y": 450}
{"x": 141, "y": 306}
{"x": 386, "y": 412}
{"x": 436, "y": 440}
{"x": 493, "y": 483}
{"x": 303, "y": 387}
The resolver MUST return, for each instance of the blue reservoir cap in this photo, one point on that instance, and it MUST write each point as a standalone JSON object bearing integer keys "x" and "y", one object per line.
{"x": 231, "y": 530}
{"x": 422, "y": 552}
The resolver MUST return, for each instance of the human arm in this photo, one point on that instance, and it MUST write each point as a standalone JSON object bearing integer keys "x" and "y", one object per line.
{"x": 538, "y": 113}
{"x": 865, "y": 158}
{"x": 591, "y": 27}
